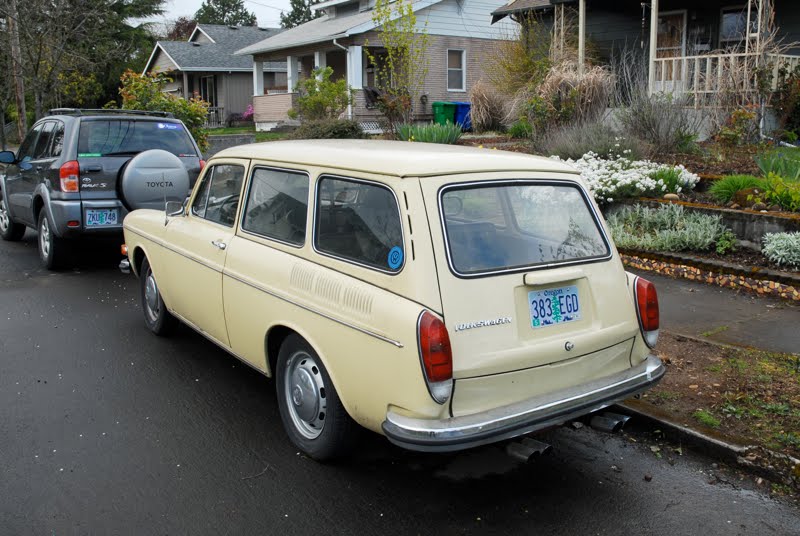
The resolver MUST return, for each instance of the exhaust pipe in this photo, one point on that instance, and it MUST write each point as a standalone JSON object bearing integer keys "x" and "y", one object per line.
{"x": 527, "y": 449}
{"x": 609, "y": 422}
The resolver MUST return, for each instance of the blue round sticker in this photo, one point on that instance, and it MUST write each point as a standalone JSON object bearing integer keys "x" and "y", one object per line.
{"x": 395, "y": 257}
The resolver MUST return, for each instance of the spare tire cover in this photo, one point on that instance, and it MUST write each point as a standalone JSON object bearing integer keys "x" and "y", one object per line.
{"x": 151, "y": 178}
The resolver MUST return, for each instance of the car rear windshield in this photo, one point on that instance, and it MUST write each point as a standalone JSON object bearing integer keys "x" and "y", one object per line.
{"x": 121, "y": 137}
{"x": 495, "y": 227}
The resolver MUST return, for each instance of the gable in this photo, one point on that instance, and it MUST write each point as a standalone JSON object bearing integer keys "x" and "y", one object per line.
{"x": 465, "y": 18}
{"x": 161, "y": 62}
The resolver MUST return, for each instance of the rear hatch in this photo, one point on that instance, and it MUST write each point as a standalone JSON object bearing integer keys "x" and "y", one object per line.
{"x": 106, "y": 144}
{"x": 527, "y": 275}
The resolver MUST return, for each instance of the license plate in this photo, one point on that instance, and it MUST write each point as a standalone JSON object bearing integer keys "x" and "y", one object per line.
{"x": 554, "y": 306}
{"x": 102, "y": 217}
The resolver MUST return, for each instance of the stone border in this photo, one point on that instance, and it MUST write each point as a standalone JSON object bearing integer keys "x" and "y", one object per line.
{"x": 738, "y": 279}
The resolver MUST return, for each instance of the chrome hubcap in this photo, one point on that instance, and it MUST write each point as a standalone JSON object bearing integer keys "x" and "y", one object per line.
{"x": 44, "y": 238}
{"x": 4, "y": 221}
{"x": 151, "y": 296}
{"x": 305, "y": 394}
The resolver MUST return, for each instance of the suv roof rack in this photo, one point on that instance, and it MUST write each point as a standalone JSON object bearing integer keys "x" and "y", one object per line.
{"x": 94, "y": 111}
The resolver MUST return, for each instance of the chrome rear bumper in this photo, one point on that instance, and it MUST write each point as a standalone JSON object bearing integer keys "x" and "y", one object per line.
{"x": 527, "y": 416}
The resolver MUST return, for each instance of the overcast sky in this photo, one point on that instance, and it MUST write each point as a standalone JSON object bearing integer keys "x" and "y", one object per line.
{"x": 267, "y": 11}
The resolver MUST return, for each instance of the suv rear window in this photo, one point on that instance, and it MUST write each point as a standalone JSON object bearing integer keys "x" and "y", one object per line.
{"x": 496, "y": 227}
{"x": 121, "y": 137}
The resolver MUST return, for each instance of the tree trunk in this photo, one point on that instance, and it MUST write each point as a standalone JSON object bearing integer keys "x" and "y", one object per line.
{"x": 16, "y": 67}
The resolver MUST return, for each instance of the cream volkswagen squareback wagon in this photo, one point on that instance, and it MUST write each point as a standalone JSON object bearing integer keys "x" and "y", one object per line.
{"x": 445, "y": 297}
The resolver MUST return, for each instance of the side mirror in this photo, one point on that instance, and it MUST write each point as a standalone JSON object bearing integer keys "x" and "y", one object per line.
{"x": 173, "y": 209}
{"x": 7, "y": 157}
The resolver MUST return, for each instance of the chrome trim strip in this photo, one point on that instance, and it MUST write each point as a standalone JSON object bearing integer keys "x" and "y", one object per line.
{"x": 555, "y": 182}
{"x": 256, "y": 286}
{"x": 536, "y": 413}
{"x": 163, "y": 244}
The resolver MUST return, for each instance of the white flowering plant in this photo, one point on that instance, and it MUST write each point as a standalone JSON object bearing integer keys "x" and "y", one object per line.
{"x": 617, "y": 176}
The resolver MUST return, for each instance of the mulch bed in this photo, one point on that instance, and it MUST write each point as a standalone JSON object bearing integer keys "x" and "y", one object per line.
{"x": 716, "y": 159}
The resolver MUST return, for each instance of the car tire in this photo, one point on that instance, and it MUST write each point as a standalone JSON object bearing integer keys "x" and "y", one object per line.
{"x": 53, "y": 250}
{"x": 9, "y": 230}
{"x": 156, "y": 316}
{"x": 312, "y": 413}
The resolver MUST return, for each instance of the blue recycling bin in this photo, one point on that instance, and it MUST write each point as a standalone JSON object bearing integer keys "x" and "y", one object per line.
{"x": 462, "y": 115}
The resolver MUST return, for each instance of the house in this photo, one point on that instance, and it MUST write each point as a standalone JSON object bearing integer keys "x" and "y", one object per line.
{"x": 461, "y": 42}
{"x": 694, "y": 47}
{"x": 205, "y": 65}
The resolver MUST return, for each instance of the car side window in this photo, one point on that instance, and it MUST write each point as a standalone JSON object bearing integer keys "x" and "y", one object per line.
{"x": 26, "y": 149}
{"x": 217, "y": 199}
{"x": 277, "y": 204}
{"x": 58, "y": 140}
{"x": 360, "y": 222}
{"x": 42, "y": 149}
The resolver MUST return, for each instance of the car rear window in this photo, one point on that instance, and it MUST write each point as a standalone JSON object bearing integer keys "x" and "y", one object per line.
{"x": 121, "y": 137}
{"x": 496, "y": 227}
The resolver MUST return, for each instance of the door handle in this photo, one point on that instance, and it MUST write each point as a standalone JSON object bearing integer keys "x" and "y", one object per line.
{"x": 219, "y": 243}
{"x": 94, "y": 167}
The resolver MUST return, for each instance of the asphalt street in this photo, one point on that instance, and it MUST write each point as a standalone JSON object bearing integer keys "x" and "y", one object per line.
{"x": 108, "y": 429}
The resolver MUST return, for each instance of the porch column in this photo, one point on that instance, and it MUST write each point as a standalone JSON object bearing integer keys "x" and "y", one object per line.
{"x": 581, "y": 35}
{"x": 292, "y": 66}
{"x": 651, "y": 79}
{"x": 258, "y": 78}
{"x": 355, "y": 71}
{"x": 185, "y": 85}
{"x": 320, "y": 61}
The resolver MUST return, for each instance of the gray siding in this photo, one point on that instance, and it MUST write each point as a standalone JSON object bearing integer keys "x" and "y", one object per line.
{"x": 239, "y": 92}
{"x": 161, "y": 63}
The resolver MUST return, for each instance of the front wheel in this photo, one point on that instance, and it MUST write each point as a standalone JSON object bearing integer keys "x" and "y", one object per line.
{"x": 52, "y": 249}
{"x": 156, "y": 317}
{"x": 312, "y": 414}
{"x": 9, "y": 230}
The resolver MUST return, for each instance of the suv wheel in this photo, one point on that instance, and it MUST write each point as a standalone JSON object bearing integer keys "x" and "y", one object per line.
{"x": 52, "y": 249}
{"x": 8, "y": 229}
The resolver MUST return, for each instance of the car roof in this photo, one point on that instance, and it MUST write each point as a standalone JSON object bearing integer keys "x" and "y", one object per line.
{"x": 398, "y": 158}
{"x": 94, "y": 117}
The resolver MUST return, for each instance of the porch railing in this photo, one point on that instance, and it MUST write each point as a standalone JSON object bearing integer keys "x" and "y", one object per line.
{"x": 215, "y": 117}
{"x": 704, "y": 75}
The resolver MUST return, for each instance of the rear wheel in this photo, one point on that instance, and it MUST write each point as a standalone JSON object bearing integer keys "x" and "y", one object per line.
{"x": 156, "y": 317}
{"x": 8, "y": 229}
{"x": 53, "y": 250}
{"x": 312, "y": 414}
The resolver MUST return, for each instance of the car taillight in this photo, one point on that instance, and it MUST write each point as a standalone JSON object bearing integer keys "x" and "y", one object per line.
{"x": 202, "y": 164}
{"x": 647, "y": 308}
{"x": 69, "y": 174}
{"x": 436, "y": 356}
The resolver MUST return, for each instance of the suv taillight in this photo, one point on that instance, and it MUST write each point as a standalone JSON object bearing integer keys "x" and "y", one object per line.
{"x": 202, "y": 164}
{"x": 69, "y": 173}
{"x": 647, "y": 308}
{"x": 435, "y": 356}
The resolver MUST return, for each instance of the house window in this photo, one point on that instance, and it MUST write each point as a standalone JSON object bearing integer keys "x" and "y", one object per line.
{"x": 456, "y": 79}
{"x": 733, "y": 25}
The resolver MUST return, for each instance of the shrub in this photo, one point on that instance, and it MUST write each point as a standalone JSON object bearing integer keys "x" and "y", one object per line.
{"x": 782, "y": 248}
{"x": 783, "y": 162}
{"x": 320, "y": 97}
{"x": 574, "y": 141}
{"x": 520, "y": 129}
{"x": 741, "y": 127}
{"x": 724, "y": 189}
{"x": 667, "y": 228}
{"x": 328, "y": 129}
{"x": 778, "y": 191}
{"x": 787, "y": 98}
{"x": 486, "y": 110}
{"x": 619, "y": 177}
{"x": 662, "y": 120}
{"x": 430, "y": 133}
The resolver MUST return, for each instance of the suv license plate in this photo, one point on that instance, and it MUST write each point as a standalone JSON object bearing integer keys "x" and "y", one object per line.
{"x": 102, "y": 217}
{"x": 554, "y": 306}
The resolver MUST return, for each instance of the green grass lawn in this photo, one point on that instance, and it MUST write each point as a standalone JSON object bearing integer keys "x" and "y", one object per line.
{"x": 260, "y": 136}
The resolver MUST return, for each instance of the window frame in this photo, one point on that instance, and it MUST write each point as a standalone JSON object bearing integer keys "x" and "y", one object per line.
{"x": 463, "y": 69}
{"x": 197, "y": 190}
{"x": 253, "y": 170}
{"x": 34, "y": 142}
{"x": 738, "y": 9}
{"x": 315, "y": 226}
{"x": 521, "y": 182}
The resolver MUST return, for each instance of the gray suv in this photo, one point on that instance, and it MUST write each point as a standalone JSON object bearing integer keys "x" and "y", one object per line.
{"x": 79, "y": 172}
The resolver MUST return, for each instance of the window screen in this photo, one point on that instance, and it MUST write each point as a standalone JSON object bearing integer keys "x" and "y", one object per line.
{"x": 277, "y": 205}
{"x": 359, "y": 222}
{"x": 217, "y": 199}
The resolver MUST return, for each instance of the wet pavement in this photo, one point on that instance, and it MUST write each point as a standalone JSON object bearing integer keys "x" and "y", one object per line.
{"x": 107, "y": 429}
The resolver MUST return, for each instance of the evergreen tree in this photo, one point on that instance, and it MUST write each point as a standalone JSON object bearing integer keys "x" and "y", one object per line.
{"x": 300, "y": 13}
{"x": 228, "y": 12}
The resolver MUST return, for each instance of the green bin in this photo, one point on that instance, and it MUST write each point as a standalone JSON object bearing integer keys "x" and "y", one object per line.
{"x": 444, "y": 112}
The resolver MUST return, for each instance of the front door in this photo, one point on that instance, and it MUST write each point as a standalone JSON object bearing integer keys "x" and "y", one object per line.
{"x": 193, "y": 271}
{"x": 670, "y": 43}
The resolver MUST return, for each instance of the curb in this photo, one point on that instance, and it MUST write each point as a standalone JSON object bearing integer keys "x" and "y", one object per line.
{"x": 742, "y": 457}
